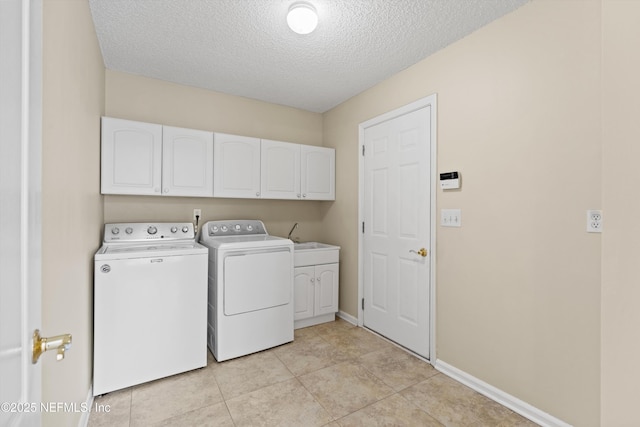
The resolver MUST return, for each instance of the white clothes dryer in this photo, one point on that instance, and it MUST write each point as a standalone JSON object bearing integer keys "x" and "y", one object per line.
{"x": 150, "y": 304}
{"x": 250, "y": 288}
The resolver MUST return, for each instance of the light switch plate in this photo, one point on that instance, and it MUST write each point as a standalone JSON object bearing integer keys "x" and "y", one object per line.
{"x": 451, "y": 218}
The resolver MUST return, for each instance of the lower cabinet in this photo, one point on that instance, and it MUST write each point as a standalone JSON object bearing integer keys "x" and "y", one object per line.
{"x": 315, "y": 294}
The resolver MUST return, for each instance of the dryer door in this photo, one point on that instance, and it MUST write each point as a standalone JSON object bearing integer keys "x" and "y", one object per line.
{"x": 257, "y": 280}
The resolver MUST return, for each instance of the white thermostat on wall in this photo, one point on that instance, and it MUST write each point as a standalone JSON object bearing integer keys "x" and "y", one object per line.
{"x": 449, "y": 180}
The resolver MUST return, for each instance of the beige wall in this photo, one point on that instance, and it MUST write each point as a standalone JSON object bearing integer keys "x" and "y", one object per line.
{"x": 73, "y": 101}
{"x": 144, "y": 99}
{"x": 518, "y": 285}
{"x": 621, "y": 237}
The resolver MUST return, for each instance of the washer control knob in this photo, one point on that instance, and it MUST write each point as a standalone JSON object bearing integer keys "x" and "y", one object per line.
{"x": 214, "y": 228}
{"x": 224, "y": 228}
{"x": 128, "y": 230}
{"x": 185, "y": 229}
{"x": 115, "y": 230}
{"x": 237, "y": 227}
{"x": 249, "y": 227}
{"x": 174, "y": 229}
{"x": 152, "y": 230}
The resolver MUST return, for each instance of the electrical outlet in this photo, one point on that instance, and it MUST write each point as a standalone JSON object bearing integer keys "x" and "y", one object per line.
{"x": 197, "y": 213}
{"x": 594, "y": 221}
{"x": 451, "y": 218}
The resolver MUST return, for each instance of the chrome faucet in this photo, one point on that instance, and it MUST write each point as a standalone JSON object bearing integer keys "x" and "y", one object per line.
{"x": 292, "y": 230}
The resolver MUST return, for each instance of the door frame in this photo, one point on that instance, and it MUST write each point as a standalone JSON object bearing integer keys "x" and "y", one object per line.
{"x": 429, "y": 101}
{"x": 25, "y": 53}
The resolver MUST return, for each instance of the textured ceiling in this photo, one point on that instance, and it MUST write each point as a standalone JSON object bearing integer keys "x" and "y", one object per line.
{"x": 244, "y": 47}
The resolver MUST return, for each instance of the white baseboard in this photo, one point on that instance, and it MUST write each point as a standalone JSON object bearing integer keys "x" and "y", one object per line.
{"x": 516, "y": 405}
{"x": 312, "y": 321}
{"x": 84, "y": 419}
{"x": 349, "y": 318}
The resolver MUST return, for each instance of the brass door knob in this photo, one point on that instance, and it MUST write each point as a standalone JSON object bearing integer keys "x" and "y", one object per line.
{"x": 60, "y": 343}
{"x": 422, "y": 252}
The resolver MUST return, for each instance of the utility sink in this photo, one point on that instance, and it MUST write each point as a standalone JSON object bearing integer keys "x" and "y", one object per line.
{"x": 314, "y": 253}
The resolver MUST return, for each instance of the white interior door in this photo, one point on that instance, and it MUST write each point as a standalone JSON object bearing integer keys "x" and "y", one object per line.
{"x": 397, "y": 229}
{"x": 20, "y": 175}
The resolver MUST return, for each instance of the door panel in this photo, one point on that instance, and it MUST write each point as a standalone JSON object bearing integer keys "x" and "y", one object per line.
{"x": 131, "y": 157}
{"x": 255, "y": 281}
{"x": 280, "y": 170}
{"x": 20, "y": 212}
{"x": 378, "y": 275}
{"x": 379, "y": 203}
{"x": 326, "y": 289}
{"x": 408, "y": 291}
{"x": 408, "y": 195}
{"x": 318, "y": 173}
{"x": 397, "y": 194}
{"x": 236, "y": 171}
{"x": 187, "y": 162}
{"x": 303, "y": 292}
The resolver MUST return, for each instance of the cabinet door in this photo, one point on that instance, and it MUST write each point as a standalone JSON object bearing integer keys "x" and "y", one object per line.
{"x": 318, "y": 173}
{"x": 326, "y": 292}
{"x": 280, "y": 177}
{"x": 187, "y": 162}
{"x": 131, "y": 157}
{"x": 303, "y": 292}
{"x": 236, "y": 166}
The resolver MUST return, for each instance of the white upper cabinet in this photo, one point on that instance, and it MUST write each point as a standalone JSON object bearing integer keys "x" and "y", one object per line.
{"x": 318, "y": 180}
{"x": 280, "y": 170}
{"x": 151, "y": 159}
{"x": 131, "y": 157}
{"x": 236, "y": 166}
{"x": 294, "y": 171}
{"x": 187, "y": 162}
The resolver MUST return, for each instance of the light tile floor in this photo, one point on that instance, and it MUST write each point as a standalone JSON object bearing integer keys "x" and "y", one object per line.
{"x": 334, "y": 374}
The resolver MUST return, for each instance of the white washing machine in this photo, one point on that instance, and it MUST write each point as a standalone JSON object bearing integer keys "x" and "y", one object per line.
{"x": 250, "y": 288}
{"x": 150, "y": 304}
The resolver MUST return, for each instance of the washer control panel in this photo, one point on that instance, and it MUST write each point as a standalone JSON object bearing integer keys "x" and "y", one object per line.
{"x": 235, "y": 227}
{"x": 145, "y": 231}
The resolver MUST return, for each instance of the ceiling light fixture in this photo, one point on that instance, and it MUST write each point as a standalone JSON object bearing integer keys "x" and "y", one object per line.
{"x": 302, "y": 18}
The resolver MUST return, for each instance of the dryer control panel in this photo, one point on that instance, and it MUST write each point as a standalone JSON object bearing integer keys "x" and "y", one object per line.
{"x": 235, "y": 228}
{"x": 145, "y": 231}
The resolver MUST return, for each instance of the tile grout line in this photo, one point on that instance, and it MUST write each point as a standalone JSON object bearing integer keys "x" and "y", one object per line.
{"x": 224, "y": 400}
{"x": 297, "y": 378}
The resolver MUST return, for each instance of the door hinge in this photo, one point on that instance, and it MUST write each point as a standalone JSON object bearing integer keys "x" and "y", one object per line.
{"x": 363, "y": 150}
{"x": 362, "y": 227}
{"x": 363, "y": 303}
